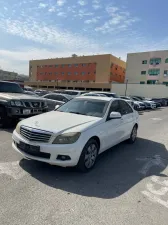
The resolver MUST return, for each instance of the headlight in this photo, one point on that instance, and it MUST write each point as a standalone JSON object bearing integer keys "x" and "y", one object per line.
{"x": 18, "y": 128}
{"x": 68, "y": 138}
{"x": 16, "y": 103}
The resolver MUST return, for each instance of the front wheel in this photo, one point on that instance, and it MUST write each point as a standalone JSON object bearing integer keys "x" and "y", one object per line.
{"x": 89, "y": 155}
{"x": 133, "y": 135}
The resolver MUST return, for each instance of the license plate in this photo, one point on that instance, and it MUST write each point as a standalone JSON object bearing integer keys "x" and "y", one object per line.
{"x": 28, "y": 148}
{"x": 26, "y": 111}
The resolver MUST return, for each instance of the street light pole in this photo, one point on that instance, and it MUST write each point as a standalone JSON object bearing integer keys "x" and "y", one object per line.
{"x": 126, "y": 87}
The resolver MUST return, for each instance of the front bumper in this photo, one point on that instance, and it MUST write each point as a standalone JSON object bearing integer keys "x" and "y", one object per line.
{"x": 19, "y": 111}
{"x": 73, "y": 151}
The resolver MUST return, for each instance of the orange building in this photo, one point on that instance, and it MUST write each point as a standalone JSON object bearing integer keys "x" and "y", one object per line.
{"x": 82, "y": 72}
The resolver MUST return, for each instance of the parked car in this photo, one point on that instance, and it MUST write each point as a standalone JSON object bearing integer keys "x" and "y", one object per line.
{"x": 30, "y": 93}
{"x": 74, "y": 93}
{"x": 41, "y": 92}
{"x": 27, "y": 88}
{"x": 107, "y": 94}
{"x": 15, "y": 104}
{"x": 159, "y": 101}
{"x": 77, "y": 132}
{"x": 138, "y": 105}
{"x": 93, "y": 94}
{"x": 148, "y": 104}
{"x": 54, "y": 99}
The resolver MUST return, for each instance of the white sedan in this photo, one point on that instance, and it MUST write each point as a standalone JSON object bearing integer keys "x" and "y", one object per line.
{"x": 77, "y": 132}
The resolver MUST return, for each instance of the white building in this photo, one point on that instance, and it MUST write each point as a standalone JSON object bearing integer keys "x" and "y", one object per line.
{"x": 147, "y": 67}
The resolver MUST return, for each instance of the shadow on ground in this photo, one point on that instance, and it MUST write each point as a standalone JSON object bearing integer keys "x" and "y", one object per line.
{"x": 116, "y": 171}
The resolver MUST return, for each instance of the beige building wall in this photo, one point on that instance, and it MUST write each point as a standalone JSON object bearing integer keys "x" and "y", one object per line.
{"x": 148, "y": 91}
{"x": 134, "y": 66}
{"x": 102, "y": 67}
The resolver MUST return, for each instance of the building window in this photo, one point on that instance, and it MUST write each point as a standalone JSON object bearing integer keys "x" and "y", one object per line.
{"x": 83, "y": 64}
{"x": 165, "y": 73}
{"x": 56, "y": 73}
{"x": 56, "y": 65}
{"x": 166, "y": 61}
{"x": 76, "y": 65}
{"x": 69, "y": 65}
{"x": 50, "y": 73}
{"x": 83, "y": 73}
{"x": 62, "y": 73}
{"x": 142, "y": 82}
{"x": 144, "y": 61}
{"x": 155, "y": 61}
{"x": 50, "y": 65}
{"x": 69, "y": 73}
{"x": 88, "y": 72}
{"x": 41, "y": 73}
{"x": 62, "y": 65}
{"x": 151, "y": 81}
{"x": 154, "y": 72}
{"x": 94, "y": 72}
{"x": 143, "y": 72}
{"x": 76, "y": 73}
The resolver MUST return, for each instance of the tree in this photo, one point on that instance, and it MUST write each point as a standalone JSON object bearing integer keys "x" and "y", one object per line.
{"x": 74, "y": 55}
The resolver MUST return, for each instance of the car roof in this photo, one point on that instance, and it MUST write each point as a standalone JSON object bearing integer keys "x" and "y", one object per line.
{"x": 107, "y": 99}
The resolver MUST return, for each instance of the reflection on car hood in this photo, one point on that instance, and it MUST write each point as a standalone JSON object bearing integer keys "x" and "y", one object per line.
{"x": 56, "y": 121}
{"x": 17, "y": 96}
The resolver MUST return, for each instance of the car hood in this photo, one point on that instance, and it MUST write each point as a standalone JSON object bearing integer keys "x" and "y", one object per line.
{"x": 56, "y": 122}
{"x": 17, "y": 96}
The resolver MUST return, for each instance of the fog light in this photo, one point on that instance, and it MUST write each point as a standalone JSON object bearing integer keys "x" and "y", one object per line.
{"x": 63, "y": 157}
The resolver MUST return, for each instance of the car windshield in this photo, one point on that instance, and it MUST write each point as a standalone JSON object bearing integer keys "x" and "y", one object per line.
{"x": 10, "y": 87}
{"x": 88, "y": 107}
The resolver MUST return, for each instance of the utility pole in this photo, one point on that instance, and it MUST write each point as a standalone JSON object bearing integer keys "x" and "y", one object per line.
{"x": 126, "y": 87}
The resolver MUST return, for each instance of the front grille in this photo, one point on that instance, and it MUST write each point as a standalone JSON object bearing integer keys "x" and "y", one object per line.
{"x": 27, "y": 104}
{"x": 33, "y": 104}
{"x": 35, "y": 135}
{"x": 36, "y": 104}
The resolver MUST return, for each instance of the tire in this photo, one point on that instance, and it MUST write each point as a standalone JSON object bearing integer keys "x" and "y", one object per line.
{"x": 133, "y": 135}
{"x": 88, "y": 156}
{"x": 4, "y": 120}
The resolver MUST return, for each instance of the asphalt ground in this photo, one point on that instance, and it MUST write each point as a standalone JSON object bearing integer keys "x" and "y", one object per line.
{"x": 129, "y": 184}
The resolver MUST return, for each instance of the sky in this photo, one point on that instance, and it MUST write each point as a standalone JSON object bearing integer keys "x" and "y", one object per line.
{"x": 38, "y": 29}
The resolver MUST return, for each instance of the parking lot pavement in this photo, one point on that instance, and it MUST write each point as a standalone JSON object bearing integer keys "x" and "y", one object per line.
{"x": 129, "y": 184}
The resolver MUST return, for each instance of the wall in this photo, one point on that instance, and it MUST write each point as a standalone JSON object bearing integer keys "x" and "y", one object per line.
{"x": 99, "y": 69}
{"x": 143, "y": 90}
{"x": 134, "y": 66}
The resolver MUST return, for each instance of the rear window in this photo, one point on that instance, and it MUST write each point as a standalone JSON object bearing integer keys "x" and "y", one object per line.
{"x": 10, "y": 87}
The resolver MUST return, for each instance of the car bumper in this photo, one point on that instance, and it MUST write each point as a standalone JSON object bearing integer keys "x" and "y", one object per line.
{"x": 19, "y": 112}
{"x": 73, "y": 151}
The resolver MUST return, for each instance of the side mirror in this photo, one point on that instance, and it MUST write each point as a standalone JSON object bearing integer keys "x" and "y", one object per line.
{"x": 56, "y": 107}
{"x": 115, "y": 115}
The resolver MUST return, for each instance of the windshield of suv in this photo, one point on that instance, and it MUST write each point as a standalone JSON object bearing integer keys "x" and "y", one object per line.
{"x": 88, "y": 107}
{"x": 10, "y": 87}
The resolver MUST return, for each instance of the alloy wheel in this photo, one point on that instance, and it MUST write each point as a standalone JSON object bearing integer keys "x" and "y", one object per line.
{"x": 90, "y": 156}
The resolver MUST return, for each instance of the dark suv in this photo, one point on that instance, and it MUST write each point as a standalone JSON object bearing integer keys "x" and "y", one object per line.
{"x": 14, "y": 104}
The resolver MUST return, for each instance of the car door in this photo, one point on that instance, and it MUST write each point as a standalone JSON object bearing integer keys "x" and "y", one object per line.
{"x": 127, "y": 118}
{"x": 113, "y": 128}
